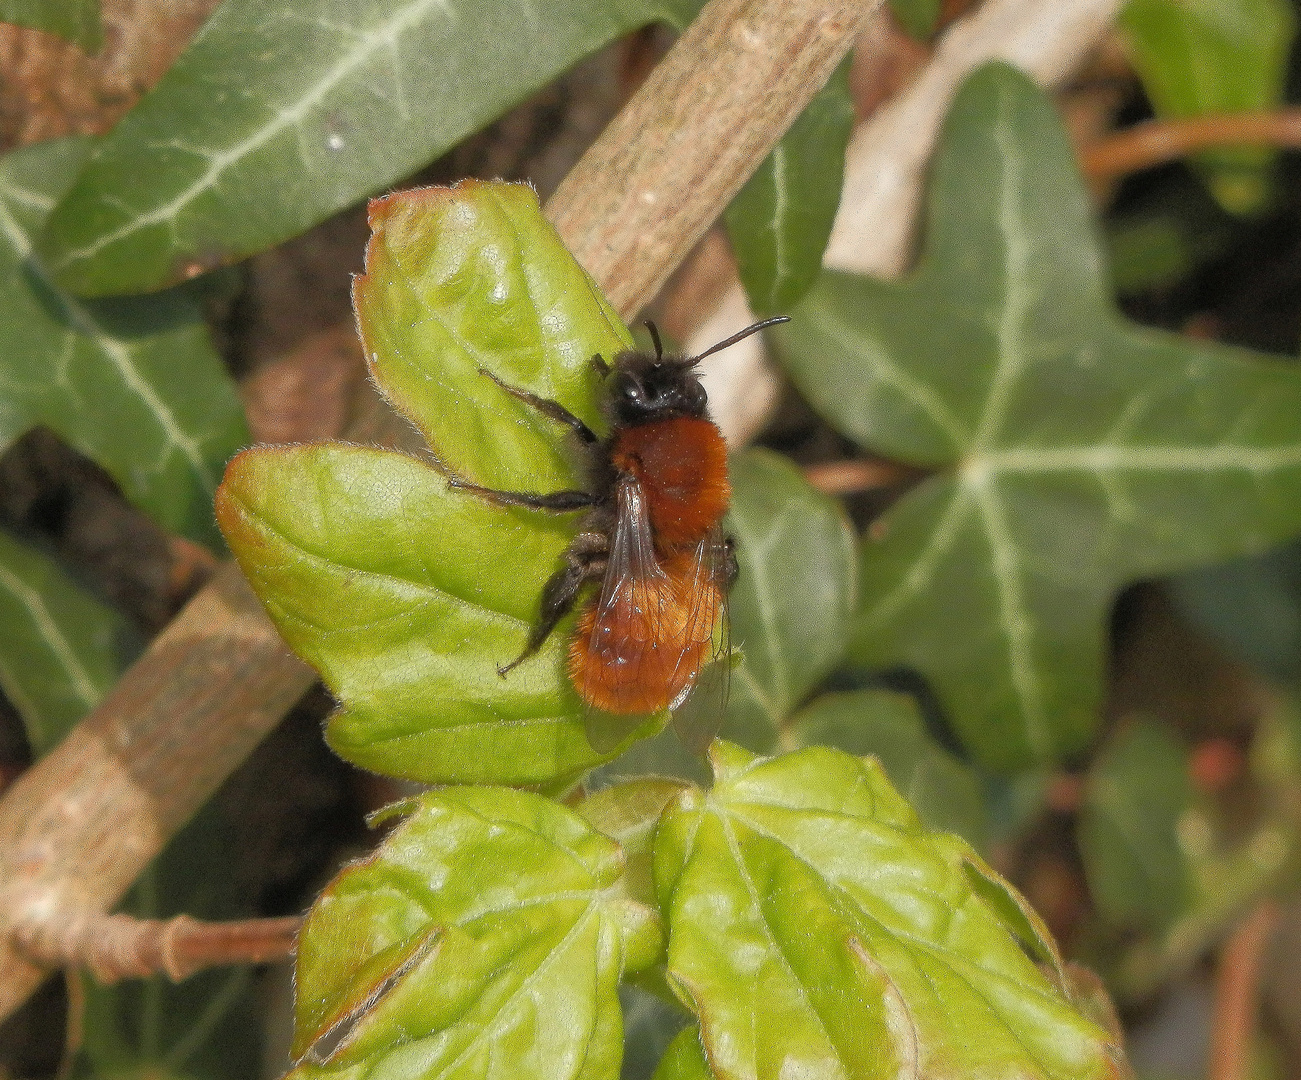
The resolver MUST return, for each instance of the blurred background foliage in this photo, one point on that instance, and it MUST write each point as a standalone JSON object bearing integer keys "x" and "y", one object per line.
{"x": 177, "y": 230}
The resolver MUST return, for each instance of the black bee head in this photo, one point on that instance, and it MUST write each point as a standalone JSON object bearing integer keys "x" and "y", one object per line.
{"x": 645, "y": 388}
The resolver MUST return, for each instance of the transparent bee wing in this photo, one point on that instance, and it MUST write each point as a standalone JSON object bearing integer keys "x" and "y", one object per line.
{"x": 699, "y": 715}
{"x": 630, "y": 619}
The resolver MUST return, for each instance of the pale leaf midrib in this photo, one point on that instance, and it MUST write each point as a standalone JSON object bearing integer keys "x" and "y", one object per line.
{"x": 117, "y": 354}
{"x": 369, "y": 44}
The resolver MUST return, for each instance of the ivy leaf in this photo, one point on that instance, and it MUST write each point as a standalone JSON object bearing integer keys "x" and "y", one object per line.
{"x": 403, "y": 593}
{"x": 75, "y": 20}
{"x": 791, "y": 607}
{"x": 817, "y": 927}
{"x": 278, "y": 116}
{"x": 780, "y": 220}
{"x": 1252, "y": 606}
{"x": 208, "y": 1027}
{"x": 60, "y": 651}
{"x": 1206, "y": 56}
{"x": 135, "y": 385}
{"x": 1138, "y": 789}
{"x": 919, "y": 18}
{"x": 486, "y": 936}
{"x": 1072, "y": 451}
{"x": 945, "y": 792}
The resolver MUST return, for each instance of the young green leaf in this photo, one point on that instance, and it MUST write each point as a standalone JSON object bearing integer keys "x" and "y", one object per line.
{"x": 780, "y": 221}
{"x": 944, "y": 791}
{"x": 1207, "y": 56}
{"x": 486, "y": 936}
{"x": 818, "y": 928}
{"x": 1073, "y": 451}
{"x": 136, "y": 385}
{"x": 1138, "y": 789}
{"x": 277, "y": 116}
{"x": 61, "y": 649}
{"x": 793, "y": 599}
{"x": 75, "y": 20}
{"x": 405, "y": 594}
{"x": 684, "y": 1059}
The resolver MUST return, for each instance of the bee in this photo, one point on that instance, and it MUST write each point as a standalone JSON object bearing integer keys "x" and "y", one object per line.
{"x": 652, "y": 535}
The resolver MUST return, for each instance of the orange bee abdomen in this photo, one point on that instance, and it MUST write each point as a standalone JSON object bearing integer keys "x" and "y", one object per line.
{"x": 642, "y": 652}
{"x": 682, "y": 467}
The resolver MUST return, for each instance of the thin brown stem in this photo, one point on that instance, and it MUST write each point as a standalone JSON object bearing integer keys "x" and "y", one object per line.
{"x": 1237, "y": 992}
{"x": 857, "y": 476}
{"x": 114, "y": 947}
{"x": 1156, "y": 142}
{"x": 81, "y": 824}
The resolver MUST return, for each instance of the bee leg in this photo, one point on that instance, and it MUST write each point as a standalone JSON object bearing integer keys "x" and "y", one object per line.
{"x": 553, "y": 410}
{"x": 558, "y": 501}
{"x": 731, "y": 571}
{"x": 602, "y": 368}
{"x": 584, "y": 561}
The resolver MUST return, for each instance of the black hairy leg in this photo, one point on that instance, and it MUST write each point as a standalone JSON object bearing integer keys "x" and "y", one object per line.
{"x": 585, "y": 560}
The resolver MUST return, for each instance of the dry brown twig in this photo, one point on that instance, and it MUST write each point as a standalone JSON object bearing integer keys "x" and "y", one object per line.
{"x": 885, "y": 167}
{"x": 1237, "y": 993}
{"x": 77, "y": 828}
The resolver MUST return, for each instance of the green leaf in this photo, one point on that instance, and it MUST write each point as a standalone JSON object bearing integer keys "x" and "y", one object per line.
{"x": 472, "y": 277}
{"x": 75, "y": 20}
{"x": 1072, "y": 451}
{"x": 1138, "y": 790}
{"x": 1252, "y": 606}
{"x": 136, "y": 385}
{"x": 684, "y": 1059}
{"x": 278, "y": 116}
{"x": 404, "y": 594}
{"x": 486, "y": 936}
{"x": 780, "y": 221}
{"x": 919, "y": 18}
{"x": 794, "y": 597}
{"x": 651, "y": 1027}
{"x": 208, "y": 1027}
{"x": 818, "y": 928}
{"x": 944, "y": 791}
{"x": 60, "y": 650}
{"x": 1209, "y": 56}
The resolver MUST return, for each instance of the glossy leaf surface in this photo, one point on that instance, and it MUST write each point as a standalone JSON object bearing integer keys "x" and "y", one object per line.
{"x": 280, "y": 114}
{"x": 1212, "y": 56}
{"x": 780, "y": 220}
{"x": 819, "y": 929}
{"x": 61, "y": 648}
{"x": 404, "y": 594}
{"x": 794, "y": 597}
{"x": 1072, "y": 451}
{"x": 485, "y": 938}
{"x": 945, "y": 792}
{"x": 135, "y": 385}
{"x": 1137, "y": 790}
{"x": 75, "y": 20}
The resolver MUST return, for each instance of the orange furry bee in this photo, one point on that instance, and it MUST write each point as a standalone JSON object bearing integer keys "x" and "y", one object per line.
{"x": 652, "y": 534}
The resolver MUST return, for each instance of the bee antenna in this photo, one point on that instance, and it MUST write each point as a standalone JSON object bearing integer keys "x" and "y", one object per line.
{"x": 753, "y": 328}
{"x": 654, "y": 332}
